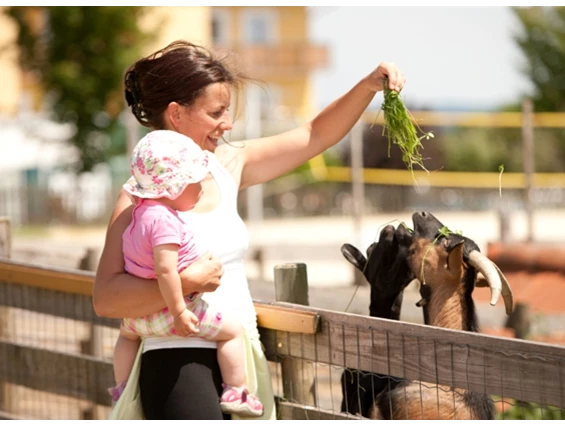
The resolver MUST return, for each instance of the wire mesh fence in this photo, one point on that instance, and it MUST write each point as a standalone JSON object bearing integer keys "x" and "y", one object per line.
{"x": 55, "y": 362}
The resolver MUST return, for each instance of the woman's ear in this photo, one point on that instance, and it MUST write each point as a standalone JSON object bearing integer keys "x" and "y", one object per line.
{"x": 173, "y": 115}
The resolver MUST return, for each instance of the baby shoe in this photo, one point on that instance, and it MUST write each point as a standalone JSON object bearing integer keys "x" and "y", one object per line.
{"x": 239, "y": 401}
{"x": 116, "y": 392}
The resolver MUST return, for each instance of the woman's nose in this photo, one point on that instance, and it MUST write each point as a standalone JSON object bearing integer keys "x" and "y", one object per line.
{"x": 226, "y": 123}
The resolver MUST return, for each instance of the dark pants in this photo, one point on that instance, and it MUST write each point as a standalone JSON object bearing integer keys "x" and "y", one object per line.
{"x": 181, "y": 384}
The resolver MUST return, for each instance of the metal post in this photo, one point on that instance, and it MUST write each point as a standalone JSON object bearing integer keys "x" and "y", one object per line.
{"x": 358, "y": 185}
{"x": 253, "y": 131}
{"x": 358, "y": 192}
{"x": 529, "y": 165}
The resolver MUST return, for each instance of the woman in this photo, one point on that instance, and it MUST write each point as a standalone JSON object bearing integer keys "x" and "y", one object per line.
{"x": 183, "y": 88}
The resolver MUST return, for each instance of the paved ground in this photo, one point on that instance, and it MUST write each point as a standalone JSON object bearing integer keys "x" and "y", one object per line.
{"x": 316, "y": 240}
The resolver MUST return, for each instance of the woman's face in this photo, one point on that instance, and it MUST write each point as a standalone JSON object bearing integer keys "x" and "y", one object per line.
{"x": 206, "y": 120}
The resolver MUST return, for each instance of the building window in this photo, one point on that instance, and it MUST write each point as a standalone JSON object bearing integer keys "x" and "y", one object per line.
{"x": 259, "y": 26}
{"x": 220, "y": 27}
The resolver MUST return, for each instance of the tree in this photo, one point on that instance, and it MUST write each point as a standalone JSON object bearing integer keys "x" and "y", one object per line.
{"x": 78, "y": 55}
{"x": 541, "y": 38}
{"x": 542, "y": 41}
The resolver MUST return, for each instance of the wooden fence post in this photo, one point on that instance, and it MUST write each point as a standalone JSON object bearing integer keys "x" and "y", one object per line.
{"x": 520, "y": 320}
{"x": 291, "y": 285}
{"x": 7, "y": 397}
{"x": 5, "y": 237}
{"x": 94, "y": 344}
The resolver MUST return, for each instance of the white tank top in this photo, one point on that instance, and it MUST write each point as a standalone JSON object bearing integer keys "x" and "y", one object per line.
{"x": 225, "y": 234}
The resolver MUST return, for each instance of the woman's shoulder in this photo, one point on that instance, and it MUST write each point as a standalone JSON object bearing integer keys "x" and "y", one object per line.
{"x": 226, "y": 152}
{"x": 231, "y": 157}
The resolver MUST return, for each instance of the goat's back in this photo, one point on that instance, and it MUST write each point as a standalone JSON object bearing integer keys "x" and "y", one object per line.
{"x": 427, "y": 401}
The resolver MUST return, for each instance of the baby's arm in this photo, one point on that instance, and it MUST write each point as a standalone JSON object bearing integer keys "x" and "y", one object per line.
{"x": 166, "y": 260}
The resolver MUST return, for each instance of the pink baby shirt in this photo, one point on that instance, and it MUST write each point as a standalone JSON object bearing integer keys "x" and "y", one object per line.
{"x": 155, "y": 224}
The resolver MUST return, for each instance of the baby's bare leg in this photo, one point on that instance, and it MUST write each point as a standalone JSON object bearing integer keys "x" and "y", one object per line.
{"x": 231, "y": 352}
{"x": 125, "y": 352}
{"x": 227, "y": 330}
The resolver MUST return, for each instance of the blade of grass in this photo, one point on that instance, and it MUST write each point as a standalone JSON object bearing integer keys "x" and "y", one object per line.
{"x": 500, "y": 169}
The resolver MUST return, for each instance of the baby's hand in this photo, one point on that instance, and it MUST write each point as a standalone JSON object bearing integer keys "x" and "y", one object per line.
{"x": 186, "y": 323}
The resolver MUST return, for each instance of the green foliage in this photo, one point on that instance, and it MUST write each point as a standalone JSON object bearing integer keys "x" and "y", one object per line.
{"x": 485, "y": 149}
{"x": 482, "y": 149}
{"x": 79, "y": 56}
{"x": 531, "y": 411}
{"x": 305, "y": 173}
{"x": 542, "y": 41}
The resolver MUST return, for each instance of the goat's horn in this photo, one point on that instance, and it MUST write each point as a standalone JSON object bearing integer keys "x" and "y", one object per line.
{"x": 506, "y": 291}
{"x": 495, "y": 278}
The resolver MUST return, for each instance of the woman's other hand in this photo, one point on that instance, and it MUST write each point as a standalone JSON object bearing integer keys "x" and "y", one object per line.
{"x": 203, "y": 275}
{"x": 386, "y": 70}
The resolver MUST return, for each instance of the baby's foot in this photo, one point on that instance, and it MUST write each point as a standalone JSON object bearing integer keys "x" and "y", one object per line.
{"x": 116, "y": 392}
{"x": 239, "y": 401}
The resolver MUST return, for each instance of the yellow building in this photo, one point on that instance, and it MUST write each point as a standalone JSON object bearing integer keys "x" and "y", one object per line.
{"x": 11, "y": 81}
{"x": 271, "y": 44}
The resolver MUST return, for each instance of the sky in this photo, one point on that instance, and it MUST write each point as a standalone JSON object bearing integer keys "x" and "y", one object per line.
{"x": 452, "y": 57}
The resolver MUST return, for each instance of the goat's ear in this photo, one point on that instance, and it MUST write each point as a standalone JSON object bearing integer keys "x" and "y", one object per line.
{"x": 354, "y": 256}
{"x": 455, "y": 258}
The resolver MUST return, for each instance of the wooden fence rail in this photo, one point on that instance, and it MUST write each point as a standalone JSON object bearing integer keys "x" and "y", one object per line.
{"x": 509, "y": 368}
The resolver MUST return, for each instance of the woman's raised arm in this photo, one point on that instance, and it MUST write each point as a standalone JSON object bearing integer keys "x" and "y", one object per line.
{"x": 271, "y": 157}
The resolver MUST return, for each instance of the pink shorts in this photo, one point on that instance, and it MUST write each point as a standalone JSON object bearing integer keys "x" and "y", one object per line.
{"x": 161, "y": 324}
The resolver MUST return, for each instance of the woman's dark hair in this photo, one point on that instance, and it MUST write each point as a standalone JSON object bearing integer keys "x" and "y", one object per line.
{"x": 178, "y": 73}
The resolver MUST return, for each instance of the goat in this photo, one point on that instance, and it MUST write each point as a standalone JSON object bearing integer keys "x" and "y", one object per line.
{"x": 446, "y": 266}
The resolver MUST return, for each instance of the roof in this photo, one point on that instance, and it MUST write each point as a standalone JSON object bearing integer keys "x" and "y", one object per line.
{"x": 544, "y": 292}
{"x": 536, "y": 274}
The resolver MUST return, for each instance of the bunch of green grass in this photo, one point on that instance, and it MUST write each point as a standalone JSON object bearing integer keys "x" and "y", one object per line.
{"x": 400, "y": 130}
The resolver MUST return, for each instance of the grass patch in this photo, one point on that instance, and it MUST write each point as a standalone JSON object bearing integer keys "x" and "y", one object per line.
{"x": 31, "y": 231}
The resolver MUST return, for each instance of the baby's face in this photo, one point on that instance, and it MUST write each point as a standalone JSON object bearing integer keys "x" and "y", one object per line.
{"x": 189, "y": 197}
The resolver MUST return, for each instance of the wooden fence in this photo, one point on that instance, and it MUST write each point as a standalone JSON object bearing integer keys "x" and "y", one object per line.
{"x": 299, "y": 338}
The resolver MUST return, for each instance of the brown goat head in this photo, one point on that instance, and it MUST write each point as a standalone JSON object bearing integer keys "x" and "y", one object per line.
{"x": 439, "y": 257}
